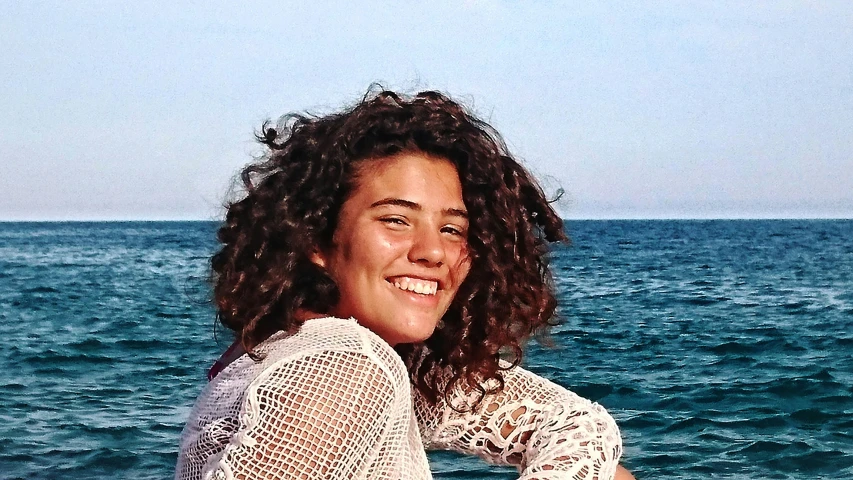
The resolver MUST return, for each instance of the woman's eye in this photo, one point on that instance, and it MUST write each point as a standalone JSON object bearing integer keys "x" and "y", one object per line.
{"x": 454, "y": 231}
{"x": 393, "y": 221}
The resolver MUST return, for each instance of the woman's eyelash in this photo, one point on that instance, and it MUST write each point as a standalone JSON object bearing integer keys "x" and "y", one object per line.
{"x": 447, "y": 229}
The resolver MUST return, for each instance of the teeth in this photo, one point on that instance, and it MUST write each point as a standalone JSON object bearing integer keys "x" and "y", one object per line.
{"x": 423, "y": 287}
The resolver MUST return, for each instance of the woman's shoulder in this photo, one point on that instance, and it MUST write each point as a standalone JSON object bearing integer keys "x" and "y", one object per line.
{"x": 333, "y": 344}
{"x": 326, "y": 334}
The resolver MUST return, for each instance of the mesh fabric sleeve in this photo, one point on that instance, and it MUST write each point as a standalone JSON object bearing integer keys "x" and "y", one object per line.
{"x": 545, "y": 430}
{"x": 323, "y": 415}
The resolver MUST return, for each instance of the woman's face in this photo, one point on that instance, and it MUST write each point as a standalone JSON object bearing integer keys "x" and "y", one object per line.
{"x": 399, "y": 252}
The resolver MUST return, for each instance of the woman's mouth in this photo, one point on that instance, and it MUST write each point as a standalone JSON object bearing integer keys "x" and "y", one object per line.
{"x": 416, "y": 285}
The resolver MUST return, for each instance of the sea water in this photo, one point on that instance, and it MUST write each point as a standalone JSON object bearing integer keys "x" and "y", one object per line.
{"x": 723, "y": 348}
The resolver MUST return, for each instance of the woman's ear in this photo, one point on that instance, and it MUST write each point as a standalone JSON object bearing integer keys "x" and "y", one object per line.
{"x": 318, "y": 258}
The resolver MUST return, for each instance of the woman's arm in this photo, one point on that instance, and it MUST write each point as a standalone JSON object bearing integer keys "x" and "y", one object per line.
{"x": 545, "y": 430}
{"x": 623, "y": 474}
{"x": 325, "y": 415}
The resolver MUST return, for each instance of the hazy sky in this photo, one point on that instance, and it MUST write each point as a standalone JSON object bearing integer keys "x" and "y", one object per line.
{"x": 145, "y": 110}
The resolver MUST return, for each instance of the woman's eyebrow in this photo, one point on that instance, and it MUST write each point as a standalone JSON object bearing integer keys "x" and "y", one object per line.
{"x": 455, "y": 212}
{"x": 399, "y": 202}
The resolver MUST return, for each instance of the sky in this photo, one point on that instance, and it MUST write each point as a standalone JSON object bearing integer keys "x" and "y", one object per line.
{"x": 693, "y": 109}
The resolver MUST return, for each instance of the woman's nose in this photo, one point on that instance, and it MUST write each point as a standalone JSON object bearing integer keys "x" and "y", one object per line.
{"x": 427, "y": 248}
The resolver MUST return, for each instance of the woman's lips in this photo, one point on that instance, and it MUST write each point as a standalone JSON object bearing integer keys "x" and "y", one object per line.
{"x": 413, "y": 284}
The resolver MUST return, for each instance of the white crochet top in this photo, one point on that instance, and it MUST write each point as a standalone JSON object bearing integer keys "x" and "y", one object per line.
{"x": 334, "y": 401}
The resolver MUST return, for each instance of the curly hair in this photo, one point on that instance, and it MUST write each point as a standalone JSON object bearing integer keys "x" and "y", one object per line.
{"x": 263, "y": 274}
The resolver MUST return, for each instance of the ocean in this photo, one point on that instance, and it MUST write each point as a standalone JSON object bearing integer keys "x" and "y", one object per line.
{"x": 723, "y": 348}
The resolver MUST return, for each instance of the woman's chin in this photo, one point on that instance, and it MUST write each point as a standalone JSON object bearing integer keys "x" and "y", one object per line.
{"x": 416, "y": 333}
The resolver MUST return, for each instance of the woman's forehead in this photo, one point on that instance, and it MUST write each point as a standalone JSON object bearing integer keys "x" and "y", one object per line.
{"x": 413, "y": 177}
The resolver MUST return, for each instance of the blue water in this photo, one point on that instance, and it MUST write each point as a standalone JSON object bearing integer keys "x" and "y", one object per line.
{"x": 723, "y": 348}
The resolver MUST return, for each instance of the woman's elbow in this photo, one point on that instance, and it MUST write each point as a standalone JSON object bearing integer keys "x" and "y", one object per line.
{"x": 622, "y": 474}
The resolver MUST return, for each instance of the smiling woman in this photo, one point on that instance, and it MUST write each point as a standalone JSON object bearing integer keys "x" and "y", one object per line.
{"x": 380, "y": 275}
{"x": 399, "y": 252}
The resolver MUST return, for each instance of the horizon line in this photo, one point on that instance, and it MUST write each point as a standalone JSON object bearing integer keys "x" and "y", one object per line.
{"x": 566, "y": 219}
